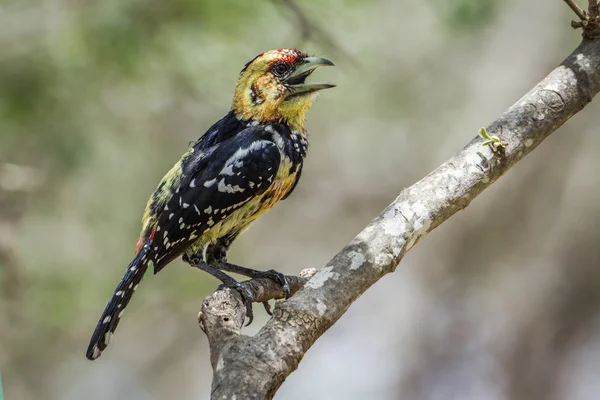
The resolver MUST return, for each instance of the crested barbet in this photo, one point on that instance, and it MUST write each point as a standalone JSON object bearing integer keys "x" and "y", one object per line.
{"x": 234, "y": 173}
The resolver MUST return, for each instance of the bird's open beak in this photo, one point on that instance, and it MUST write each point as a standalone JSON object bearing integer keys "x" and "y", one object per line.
{"x": 295, "y": 82}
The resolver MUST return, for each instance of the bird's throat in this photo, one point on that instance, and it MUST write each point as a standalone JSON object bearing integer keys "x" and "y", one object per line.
{"x": 252, "y": 106}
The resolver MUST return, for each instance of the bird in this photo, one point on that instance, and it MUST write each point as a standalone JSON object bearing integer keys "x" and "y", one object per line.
{"x": 235, "y": 172}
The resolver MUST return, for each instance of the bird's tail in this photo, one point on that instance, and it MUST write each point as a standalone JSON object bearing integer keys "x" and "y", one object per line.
{"x": 114, "y": 309}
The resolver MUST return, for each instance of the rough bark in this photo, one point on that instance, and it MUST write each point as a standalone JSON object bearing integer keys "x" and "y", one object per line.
{"x": 255, "y": 367}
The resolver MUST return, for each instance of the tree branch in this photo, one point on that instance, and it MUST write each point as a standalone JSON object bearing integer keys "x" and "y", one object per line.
{"x": 255, "y": 367}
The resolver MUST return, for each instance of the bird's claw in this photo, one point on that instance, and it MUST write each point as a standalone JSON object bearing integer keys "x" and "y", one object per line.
{"x": 246, "y": 294}
{"x": 279, "y": 278}
{"x": 267, "y": 307}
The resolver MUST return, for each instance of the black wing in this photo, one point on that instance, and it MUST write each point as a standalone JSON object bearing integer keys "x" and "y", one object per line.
{"x": 214, "y": 184}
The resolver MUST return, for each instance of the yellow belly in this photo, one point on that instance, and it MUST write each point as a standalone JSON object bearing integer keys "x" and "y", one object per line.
{"x": 240, "y": 220}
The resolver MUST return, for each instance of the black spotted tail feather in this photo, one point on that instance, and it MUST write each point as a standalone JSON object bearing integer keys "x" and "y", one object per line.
{"x": 114, "y": 309}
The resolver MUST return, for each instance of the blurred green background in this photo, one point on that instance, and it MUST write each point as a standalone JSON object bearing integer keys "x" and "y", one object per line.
{"x": 99, "y": 99}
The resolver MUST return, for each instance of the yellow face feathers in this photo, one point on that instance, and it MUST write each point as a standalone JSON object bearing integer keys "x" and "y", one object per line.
{"x": 272, "y": 87}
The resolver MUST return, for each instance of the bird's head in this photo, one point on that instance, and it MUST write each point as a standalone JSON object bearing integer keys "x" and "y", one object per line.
{"x": 272, "y": 87}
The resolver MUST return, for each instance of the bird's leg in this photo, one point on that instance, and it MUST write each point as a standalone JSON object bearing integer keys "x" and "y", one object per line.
{"x": 217, "y": 255}
{"x": 227, "y": 282}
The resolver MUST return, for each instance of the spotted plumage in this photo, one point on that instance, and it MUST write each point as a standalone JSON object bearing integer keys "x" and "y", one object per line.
{"x": 234, "y": 173}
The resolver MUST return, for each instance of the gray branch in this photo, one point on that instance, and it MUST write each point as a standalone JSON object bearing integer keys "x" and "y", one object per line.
{"x": 255, "y": 367}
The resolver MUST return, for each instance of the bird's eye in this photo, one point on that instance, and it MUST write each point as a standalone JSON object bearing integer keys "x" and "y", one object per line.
{"x": 280, "y": 69}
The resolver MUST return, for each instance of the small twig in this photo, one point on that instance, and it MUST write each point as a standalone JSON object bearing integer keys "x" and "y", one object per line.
{"x": 589, "y": 20}
{"x": 580, "y": 13}
{"x": 593, "y": 8}
{"x": 309, "y": 30}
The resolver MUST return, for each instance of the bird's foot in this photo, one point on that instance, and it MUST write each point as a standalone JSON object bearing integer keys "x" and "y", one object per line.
{"x": 246, "y": 294}
{"x": 277, "y": 277}
{"x": 273, "y": 275}
{"x": 252, "y": 273}
{"x": 267, "y": 307}
{"x": 280, "y": 279}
